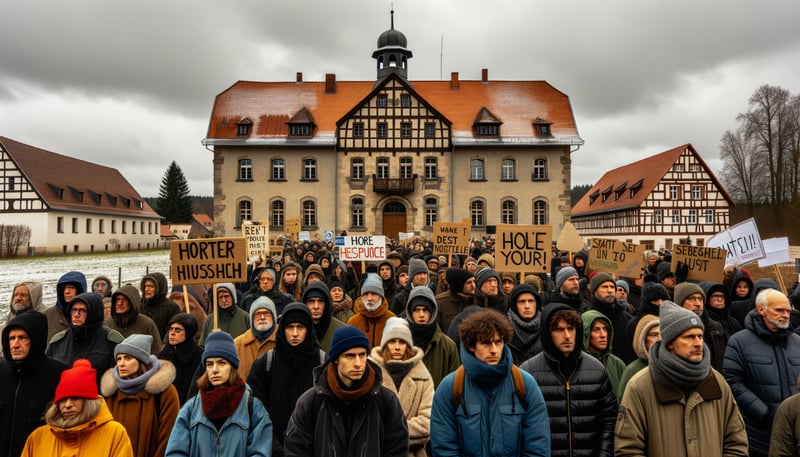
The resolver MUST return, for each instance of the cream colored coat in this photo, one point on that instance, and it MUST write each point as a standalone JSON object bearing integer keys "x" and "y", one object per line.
{"x": 416, "y": 397}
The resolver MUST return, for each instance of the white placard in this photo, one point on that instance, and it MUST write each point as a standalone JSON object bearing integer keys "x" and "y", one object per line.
{"x": 742, "y": 241}
{"x": 777, "y": 252}
{"x": 363, "y": 248}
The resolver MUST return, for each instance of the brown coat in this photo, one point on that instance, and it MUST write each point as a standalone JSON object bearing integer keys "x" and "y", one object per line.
{"x": 249, "y": 348}
{"x": 416, "y": 398}
{"x": 371, "y": 322}
{"x": 147, "y": 419}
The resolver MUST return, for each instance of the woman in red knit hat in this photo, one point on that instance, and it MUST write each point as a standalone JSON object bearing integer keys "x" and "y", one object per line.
{"x": 79, "y": 423}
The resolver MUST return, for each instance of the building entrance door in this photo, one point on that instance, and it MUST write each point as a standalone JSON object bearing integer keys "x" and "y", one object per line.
{"x": 394, "y": 219}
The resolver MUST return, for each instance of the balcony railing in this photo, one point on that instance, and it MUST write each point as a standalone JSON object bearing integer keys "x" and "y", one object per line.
{"x": 393, "y": 185}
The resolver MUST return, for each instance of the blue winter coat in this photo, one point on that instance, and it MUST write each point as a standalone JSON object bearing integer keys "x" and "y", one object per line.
{"x": 495, "y": 423}
{"x": 762, "y": 369}
{"x": 194, "y": 435}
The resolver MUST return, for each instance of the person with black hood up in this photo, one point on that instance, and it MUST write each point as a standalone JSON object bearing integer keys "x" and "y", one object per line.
{"x": 579, "y": 261}
{"x": 265, "y": 283}
{"x": 440, "y": 352}
{"x": 741, "y": 286}
{"x": 740, "y": 308}
{"x": 184, "y": 353}
{"x": 524, "y": 313}
{"x": 578, "y": 394}
{"x": 666, "y": 277}
{"x": 289, "y": 366}
{"x": 29, "y": 379}
{"x": 318, "y": 299}
{"x": 126, "y": 319}
{"x": 460, "y": 296}
{"x": 387, "y": 272}
{"x": 87, "y": 337}
{"x": 155, "y": 303}
{"x": 717, "y": 307}
{"x": 604, "y": 299}
{"x": 69, "y": 285}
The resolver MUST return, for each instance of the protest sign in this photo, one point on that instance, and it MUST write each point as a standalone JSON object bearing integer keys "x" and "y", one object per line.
{"x": 207, "y": 260}
{"x": 569, "y": 240}
{"x": 777, "y": 251}
{"x": 742, "y": 241}
{"x": 451, "y": 238}
{"x": 405, "y": 235}
{"x": 523, "y": 248}
{"x": 293, "y": 224}
{"x": 257, "y": 237}
{"x": 362, "y": 248}
{"x": 704, "y": 263}
{"x": 618, "y": 257}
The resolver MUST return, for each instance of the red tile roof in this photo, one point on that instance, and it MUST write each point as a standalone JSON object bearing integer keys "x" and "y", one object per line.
{"x": 649, "y": 170}
{"x": 203, "y": 219}
{"x": 271, "y": 104}
{"x": 50, "y": 174}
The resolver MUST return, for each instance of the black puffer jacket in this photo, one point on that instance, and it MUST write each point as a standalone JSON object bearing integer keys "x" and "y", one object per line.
{"x": 589, "y": 402}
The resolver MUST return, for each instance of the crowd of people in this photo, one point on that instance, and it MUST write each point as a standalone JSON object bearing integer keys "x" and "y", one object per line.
{"x": 414, "y": 355}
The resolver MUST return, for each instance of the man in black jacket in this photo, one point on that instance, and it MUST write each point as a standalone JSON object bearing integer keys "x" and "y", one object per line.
{"x": 29, "y": 379}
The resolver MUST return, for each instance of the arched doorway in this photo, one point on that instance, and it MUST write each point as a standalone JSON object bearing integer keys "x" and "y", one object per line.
{"x": 394, "y": 219}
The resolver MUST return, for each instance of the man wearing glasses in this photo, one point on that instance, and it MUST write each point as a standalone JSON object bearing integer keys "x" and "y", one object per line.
{"x": 230, "y": 318}
{"x": 86, "y": 337}
{"x": 692, "y": 297}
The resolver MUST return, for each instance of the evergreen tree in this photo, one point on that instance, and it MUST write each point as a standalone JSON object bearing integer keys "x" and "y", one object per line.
{"x": 174, "y": 202}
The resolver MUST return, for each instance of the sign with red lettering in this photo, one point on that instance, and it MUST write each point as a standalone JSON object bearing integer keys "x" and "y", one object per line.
{"x": 363, "y": 248}
{"x": 524, "y": 248}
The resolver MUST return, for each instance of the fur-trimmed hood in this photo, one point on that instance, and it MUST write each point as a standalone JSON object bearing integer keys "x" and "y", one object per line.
{"x": 157, "y": 383}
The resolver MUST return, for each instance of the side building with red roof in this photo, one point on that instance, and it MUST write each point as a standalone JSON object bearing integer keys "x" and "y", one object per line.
{"x": 71, "y": 205}
{"x": 665, "y": 199}
{"x": 391, "y": 155}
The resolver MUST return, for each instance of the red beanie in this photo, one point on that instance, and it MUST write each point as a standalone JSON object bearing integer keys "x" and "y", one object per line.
{"x": 80, "y": 381}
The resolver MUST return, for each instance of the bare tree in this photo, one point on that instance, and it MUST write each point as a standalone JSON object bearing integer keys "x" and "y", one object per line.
{"x": 743, "y": 171}
{"x": 12, "y": 238}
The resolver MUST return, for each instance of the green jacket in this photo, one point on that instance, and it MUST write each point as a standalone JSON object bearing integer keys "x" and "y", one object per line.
{"x": 441, "y": 357}
{"x": 614, "y": 365}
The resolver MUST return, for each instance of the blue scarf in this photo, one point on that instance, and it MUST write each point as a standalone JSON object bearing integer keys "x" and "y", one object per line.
{"x": 135, "y": 385}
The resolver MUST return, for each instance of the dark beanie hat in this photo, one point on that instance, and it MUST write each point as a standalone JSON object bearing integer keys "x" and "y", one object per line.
{"x": 456, "y": 277}
{"x": 402, "y": 269}
{"x": 662, "y": 270}
{"x": 188, "y": 322}
{"x": 482, "y": 274}
{"x": 220, "y": 344}
{"x": 346, "y": 338}
{"x": 652, "y": 291}
{"x": 600, "y": 278}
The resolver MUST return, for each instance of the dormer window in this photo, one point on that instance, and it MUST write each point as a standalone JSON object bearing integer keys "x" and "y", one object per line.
{"x": 58, "y": 191}
{"x": 635, "y": 187}
{"x": 606, "y": 192}
{"x": 300, "y": 130}
{"x": 243, "y": 127}
{"x": 593, "y": 196}
{"x": 487, "y": 130}
{"x": 542, "y": 128}
{"x": 301, "y": 124}
{"x": 620, "y": 190}
{"x": 486, "y": 123}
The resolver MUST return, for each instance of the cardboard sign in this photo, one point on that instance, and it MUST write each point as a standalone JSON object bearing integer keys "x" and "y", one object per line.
{"x": 451, "y": 238}
{"x": 523, "y": 248}
{"x": 208, "y": 260}
{"x": 742, "y": 241}
{"x": 363, "y": 248}
{"x": 293, "y": 224}
{"x": 617, "y": 257}
{"x": 257, "y": 237}
{"x": 569, "y": 240}
{"x": 705, "y": 263}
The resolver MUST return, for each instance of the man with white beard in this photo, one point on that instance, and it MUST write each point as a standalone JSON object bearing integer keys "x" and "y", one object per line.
{"x": 26, "y": 296}
{"x": 372, "y": 310}
{"x": 260, "y": 337}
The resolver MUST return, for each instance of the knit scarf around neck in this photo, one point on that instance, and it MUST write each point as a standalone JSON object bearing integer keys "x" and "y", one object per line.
{"x": 667, "y": 368}
{"x": 358, "y": 390}
{"x": 527, "y": 331}
{"x": 398, "y": 369}
{"x": 135, "y": 385}
{"x": 221, "y": 403}
{"x": 422, "y": 333}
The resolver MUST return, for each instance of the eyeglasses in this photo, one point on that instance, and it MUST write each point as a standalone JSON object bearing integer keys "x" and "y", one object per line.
{"x": 175, "y": 330}
{"x": 78, "y": 311}
{"x": 697, "y": 298}
{"x": 718, "y": 297}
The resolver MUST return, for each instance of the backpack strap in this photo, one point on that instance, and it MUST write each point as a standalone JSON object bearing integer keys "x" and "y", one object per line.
{"x": 519, "y": 385}
{"x": 458, "y": 389}
{"x": 270, "y": 356}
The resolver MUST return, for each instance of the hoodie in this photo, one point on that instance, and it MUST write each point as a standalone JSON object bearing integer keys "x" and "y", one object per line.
{"x": 57, "y": 319}
{"x": 327, "y": 323}
{"x": 132, "y": 322}
{"x": 740, "y": 308}
{"x": 614, "y": 365}
{"x": 159, "y": 308}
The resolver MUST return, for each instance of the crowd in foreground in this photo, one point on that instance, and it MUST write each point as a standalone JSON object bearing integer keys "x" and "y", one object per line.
{"x": 417, "y": 355}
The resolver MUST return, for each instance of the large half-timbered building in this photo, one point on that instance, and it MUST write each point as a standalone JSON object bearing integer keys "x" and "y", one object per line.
{"x": 71, "y": 205}
{"x": 669, "y": 198}
{"x": 391, "y": 155}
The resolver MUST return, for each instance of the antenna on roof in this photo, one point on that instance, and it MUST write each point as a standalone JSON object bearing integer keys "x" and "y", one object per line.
{"x": 392, "y": 16}
{"x": 441, "y": 56}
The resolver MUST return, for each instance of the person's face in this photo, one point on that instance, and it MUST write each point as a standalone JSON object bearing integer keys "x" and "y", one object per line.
{"x": 571, "y": 285}
{"x": 313, "y": 277}
{"x": 370, "y": 299}
{"x": 489, "y": 287}
{"x": 420, "y": 279}
{"x": 653, "y": 335}
{"x": 471, "y": 266}
{"x": 397, "y": 348}
{"x": 652, "y": 259}
{"x": 70, "y": 407}
{"x": 218, "y": 370}
{"x": 121, "y": 304}
{"x": 176, "y": 334}
{"x": 397, "y": 262}
{"x": 337, "y": 294}
{"x": 325, "y": 263}
{"x": 385, "y": 272}
{"x": 598, "y": 336}
{"x": 266, "y": 282}
{"x": 351, "y": 364}
{"x": 421, "y": 315}
{"x": 621, "y": 294}
{"x": 579, "y": 263}
{"x": 69, "y": 291}
{"x": 469, "y": 287}
{"x": 290, "y": 276}
{"x": 717, "y": 300}
{"x": 19, "y": 344}
{"x": 127, "y": 366}
{"x": 78, "y": 313}
{"x": 262, "y": 320}
{"x": 526, "y": 306}
{"x": 317, "y": 307}
{"x": 606, "y": 292}
{"x": 507, "y": 286}
{"x": 668, "y": 282}
{"x": 295, "y": 333}
{"x": 775, "y": 313}
{"x": 224, "y": 298}
{"x": 149, "y": 289}
{"x": 694, "y": 303}
{"x": 433, "y": 266}
{"x": 742, "y": 289}
{"x": 100, "y": 287}
{"x": 489, "y": 352}
{"x": 688, "y": 345}
{"x": 563, "y": 335}
{"x": 21, "y": 300}
{"x": 402, "y": 278}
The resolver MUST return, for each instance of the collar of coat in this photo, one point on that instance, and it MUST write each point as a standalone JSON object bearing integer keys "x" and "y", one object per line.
{"x": 708, "y": 390}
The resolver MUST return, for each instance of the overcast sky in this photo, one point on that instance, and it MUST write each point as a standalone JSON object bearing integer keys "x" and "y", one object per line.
{"x": 131, "y": 84}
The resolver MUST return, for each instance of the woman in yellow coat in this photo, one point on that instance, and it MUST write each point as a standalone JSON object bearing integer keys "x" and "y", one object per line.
{"x": 79, "y": 423}
{"x": 140, "y": 395}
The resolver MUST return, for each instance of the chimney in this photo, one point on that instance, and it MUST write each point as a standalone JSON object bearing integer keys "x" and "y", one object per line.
{"x": 299, "y": 76}
{"x": 454, "y": 85}
{"x": 485, "y": 76}
{"x": 330, "y": 83}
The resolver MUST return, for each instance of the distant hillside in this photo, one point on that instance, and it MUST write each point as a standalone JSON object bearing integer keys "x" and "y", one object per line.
{"x": 578, "y": 192}
{"x": 202, "y": 205}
